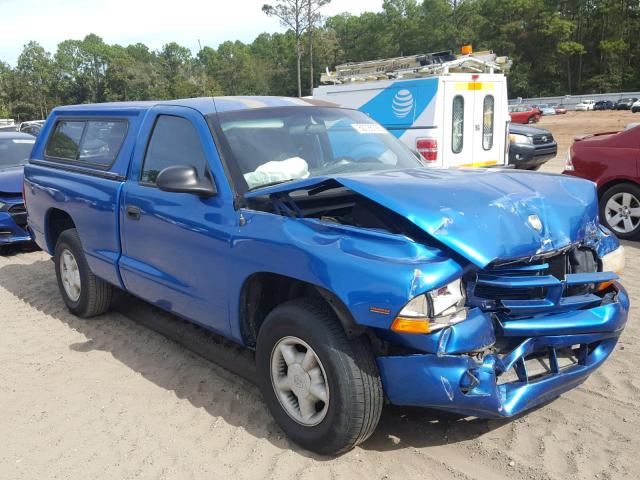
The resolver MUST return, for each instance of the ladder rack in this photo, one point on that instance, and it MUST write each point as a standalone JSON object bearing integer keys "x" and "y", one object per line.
{"x": 416, "y": 66}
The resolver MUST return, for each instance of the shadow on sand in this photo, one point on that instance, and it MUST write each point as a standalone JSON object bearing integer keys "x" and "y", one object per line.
{"x": 398, "y": 428}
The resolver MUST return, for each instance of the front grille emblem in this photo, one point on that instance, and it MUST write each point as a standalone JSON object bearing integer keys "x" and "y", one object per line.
{"x": 535, "y": 222}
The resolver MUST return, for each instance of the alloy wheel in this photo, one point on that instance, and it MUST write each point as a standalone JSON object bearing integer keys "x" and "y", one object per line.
{"x": 70, "y": 275}
{"x": 622, "y": 212}
{"x": 299, "y": 381}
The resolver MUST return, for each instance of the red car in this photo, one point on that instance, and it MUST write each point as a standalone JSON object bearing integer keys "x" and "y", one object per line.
{"x": 524, "y": 114}
{"x": 612, "y": 161}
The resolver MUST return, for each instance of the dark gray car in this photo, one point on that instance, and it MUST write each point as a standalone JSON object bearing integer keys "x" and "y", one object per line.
{"x": 530, "y": 147}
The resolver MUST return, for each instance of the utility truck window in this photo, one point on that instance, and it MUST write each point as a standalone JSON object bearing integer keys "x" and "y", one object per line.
{"x": 457, "y": 117}
{"x": 487, "y": 122}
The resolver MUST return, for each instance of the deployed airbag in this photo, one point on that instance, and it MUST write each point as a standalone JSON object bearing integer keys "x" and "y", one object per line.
{"x": 294, "y": 168}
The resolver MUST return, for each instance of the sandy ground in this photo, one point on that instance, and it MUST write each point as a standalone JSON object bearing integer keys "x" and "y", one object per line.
{"x": 109, "y": 398}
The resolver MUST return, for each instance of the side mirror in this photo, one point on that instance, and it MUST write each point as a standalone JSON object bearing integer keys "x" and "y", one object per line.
{"x": 184, "y": 179}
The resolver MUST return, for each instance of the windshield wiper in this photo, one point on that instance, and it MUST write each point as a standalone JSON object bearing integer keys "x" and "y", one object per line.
{"x": 270, "y": 184}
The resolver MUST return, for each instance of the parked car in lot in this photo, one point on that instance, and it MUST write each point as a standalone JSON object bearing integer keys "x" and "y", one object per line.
{"x": 560, "y": 109}
{"x": 612, "y": 161}
{"x": 33, "y": 127}
{"x": 604, "y": 105}
{"x": 524, "y": 114}
{"x": 530, "y": 147}
{"x": 585, "y": 105}
{"x": 8, "y": 128}
{"x": 635, "y": 107}
{"x": 625, "y": 103}
{"x": 546, "y": 109}
{"x": 313, "y": 236}
{"x": 15, "y": 149}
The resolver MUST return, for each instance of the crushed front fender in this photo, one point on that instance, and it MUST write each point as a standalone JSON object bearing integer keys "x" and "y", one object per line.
{"x": 467, "y": 385}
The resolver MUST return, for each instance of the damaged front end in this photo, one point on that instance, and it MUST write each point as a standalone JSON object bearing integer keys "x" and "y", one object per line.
{"x": 551, "y": 329}
{"x": 540, "y": 308}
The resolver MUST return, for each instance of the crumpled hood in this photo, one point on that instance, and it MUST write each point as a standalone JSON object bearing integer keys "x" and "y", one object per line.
{"x": 11, "y": 180}
{"x": 483, "y": 215}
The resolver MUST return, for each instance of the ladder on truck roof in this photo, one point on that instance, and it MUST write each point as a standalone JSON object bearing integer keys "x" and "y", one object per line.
{"x": 416, "y": 66}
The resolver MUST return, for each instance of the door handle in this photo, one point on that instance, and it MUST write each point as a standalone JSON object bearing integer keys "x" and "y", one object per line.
{"x": 133, "y": 212}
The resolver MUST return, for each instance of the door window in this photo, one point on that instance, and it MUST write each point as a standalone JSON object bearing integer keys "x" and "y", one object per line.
{"x": 174, "y": 141}
{"x": 457, "y": 117}
{"x": 487, "y": 122}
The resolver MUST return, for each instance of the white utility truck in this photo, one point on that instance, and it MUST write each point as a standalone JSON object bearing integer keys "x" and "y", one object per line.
{"x": 451, "y": 109}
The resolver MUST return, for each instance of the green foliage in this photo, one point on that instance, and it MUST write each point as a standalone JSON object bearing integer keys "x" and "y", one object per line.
{"x": 558, "y": 47}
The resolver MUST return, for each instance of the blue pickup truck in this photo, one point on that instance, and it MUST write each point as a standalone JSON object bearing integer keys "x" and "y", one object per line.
{"x": 310, "y": 235}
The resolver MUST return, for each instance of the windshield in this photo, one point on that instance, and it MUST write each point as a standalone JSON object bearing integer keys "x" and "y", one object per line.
{"x": 275, "y": 145}
{"x": 15, "y": 151}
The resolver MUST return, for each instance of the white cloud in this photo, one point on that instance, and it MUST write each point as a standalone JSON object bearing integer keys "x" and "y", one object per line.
{"x": 153, "y": 23}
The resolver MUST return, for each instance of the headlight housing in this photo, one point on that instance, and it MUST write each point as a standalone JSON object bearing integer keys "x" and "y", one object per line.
{"x": 522, "y": 139}
{"x": 614, "y": 261}
{"x": 433, "y": 310}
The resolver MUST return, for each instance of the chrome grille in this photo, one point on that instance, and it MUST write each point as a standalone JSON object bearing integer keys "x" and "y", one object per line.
{"x": 542, "y": 139}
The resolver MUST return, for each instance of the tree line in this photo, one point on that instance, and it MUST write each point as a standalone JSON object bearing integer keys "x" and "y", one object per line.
{"x": 558, "y": 47}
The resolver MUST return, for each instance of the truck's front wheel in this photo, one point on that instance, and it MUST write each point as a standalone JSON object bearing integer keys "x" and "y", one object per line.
{"x": 84, "y": 294}
{"x": 322, "y": 388}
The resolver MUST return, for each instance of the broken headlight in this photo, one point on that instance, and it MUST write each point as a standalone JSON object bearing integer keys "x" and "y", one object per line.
{"x": 614, "y": 261}
{"x": 433, "y": 310}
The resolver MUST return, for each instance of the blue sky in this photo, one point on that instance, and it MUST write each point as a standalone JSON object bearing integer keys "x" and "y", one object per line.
{"x": 153, "y": 23}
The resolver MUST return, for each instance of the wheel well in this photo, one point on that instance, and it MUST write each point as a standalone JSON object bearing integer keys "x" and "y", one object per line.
{"x": 262, "y": 292}
{"x": 57, "y": 222}
{"x": 613, "y": 183}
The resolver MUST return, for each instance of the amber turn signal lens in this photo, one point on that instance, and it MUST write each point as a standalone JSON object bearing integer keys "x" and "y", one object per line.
{"x": 410, "y": 325}
{"x": 604, "y": 285}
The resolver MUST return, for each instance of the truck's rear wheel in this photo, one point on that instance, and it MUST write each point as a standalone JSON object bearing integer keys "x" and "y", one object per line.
{"x": 84, "y": 294}
{"x": 323, "y": 389}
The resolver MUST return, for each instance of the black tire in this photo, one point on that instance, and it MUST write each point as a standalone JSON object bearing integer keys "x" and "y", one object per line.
{"x": 356, "y": 396}
{"x": 532, "y": 119}
{"x": 95, "y": 294}
{"x": 629, "y": 188}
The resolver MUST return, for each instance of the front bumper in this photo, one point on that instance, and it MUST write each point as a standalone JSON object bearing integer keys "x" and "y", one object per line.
{"x": 461, "y": 384}
{"x": 528, "y": 156}
{"x": 10, "y": 231}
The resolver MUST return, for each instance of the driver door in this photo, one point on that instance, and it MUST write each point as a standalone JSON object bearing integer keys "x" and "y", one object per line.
{"x": 176, "y": 246}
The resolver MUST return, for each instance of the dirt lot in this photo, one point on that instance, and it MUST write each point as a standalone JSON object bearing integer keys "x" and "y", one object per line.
{"x": 109, "y": 398}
